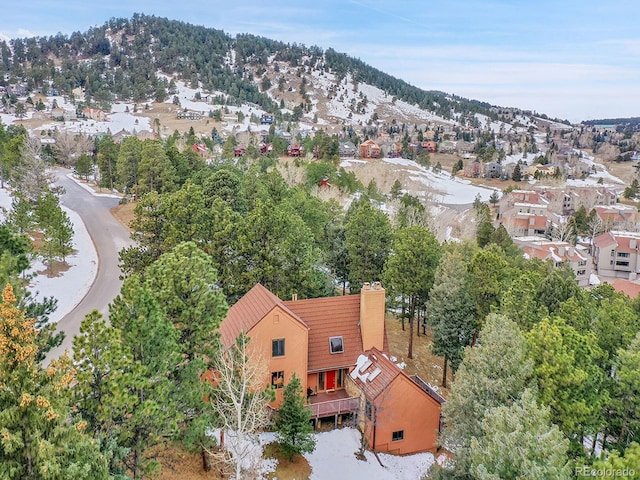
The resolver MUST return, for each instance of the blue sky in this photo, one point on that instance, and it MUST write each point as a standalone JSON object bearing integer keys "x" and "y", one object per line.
{"x": 566, "y": 58}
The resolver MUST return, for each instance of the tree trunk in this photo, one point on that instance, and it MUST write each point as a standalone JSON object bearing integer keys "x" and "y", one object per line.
{"x": 410, "y": 353}
{"x": 206, "y": 460}
{"x": 402, "y": 314}
{"x": 444, "y": 372}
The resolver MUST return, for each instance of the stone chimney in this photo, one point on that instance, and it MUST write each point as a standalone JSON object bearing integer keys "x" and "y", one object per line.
{"x": 372, "y": 304}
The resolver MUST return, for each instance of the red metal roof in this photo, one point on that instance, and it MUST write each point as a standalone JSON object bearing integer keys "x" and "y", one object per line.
{"x": 374, "y": 374}
{"x": 247, "y": 312}
{"x": 330, "y": 317}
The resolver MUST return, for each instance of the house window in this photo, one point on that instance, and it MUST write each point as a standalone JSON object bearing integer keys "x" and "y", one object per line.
{"x": 277, "y": 379}
{"x": 624, "y": 254}
{"x": 335, "y": 343}
{"x": 581, "y": 272}
{"x": 277, "y": 347}
{"x": 340, "y": 379}
{"x": 321, "y": 381}
{"x": 396, "y": 436}
{"x": 368, "y": 410}
{"x": 620, "y": 263}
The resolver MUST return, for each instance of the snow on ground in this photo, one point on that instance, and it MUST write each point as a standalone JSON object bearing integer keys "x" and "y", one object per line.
{"x": 335, "y": 452}
{"x": 120, "y": 118}
{"x": 71, "y": 286}
{"x": 442, "y": 187}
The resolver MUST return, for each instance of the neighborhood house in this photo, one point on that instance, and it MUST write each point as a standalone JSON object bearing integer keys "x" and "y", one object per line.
{"x": 322, "y": 341}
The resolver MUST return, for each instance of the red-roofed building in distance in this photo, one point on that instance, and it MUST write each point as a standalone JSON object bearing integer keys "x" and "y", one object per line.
{"x": 320, "y": 341}
{"x": 558, "y": 253}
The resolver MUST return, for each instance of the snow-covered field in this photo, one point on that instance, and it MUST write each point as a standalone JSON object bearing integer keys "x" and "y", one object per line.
{"x": 335, "y": 458}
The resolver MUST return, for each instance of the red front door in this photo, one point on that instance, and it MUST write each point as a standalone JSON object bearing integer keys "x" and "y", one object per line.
{"x": 331, "y": 380}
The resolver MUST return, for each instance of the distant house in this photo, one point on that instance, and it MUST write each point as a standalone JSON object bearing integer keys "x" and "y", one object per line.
{"x": 200, "y": 149}
{"x": 492, "y": 170}
{"x": 347, "y": 149}
{"x": 295, "y": 150}
{"x": 78, "y": 93}
{"x": 266, "y": 119}
{"x": 239, "y": 151}
{"x": 558, "y": 253}
{"x": 472, "y": 170}
{"x": 619, "y": 217}
{"x": 617, "y": 254}
{"x": 94, "y": 114}
{"x": 69, "y": 115}
{"x": 369, "y": 149}
{"x": 266, "y": 148}
{"x": 544, "y": 170}
{"x": 322, "y": 341}
{"x": 188, "y": 115}
{"x": 430, "y": 146}
{"x": 526, "y": 219}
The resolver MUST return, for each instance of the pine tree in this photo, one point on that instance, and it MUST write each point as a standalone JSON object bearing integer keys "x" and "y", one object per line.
{"x": 293, "y": 425}
{"x": 493, "y": 373}
{"x": 520, "y": 441}
{"x": 38, "y": 439}
{"x": 450, "y": 312}
{"x": 517, "y": 173}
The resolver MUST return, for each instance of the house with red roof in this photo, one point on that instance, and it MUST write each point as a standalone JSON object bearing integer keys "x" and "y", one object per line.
{"x": 559, "y": 253}
{"x": 629, "y": 288}
{"x": 618, "y": 216}
{"x": 320, "y": 340}
{"x": 401, "y": 412}
{"x": 370, "y": 149}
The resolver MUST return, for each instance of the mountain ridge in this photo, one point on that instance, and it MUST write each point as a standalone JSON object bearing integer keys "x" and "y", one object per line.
{"x": 120, "y": 61}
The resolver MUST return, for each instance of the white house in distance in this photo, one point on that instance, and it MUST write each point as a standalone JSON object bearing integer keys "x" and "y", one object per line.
{"x": 617, "y": 254}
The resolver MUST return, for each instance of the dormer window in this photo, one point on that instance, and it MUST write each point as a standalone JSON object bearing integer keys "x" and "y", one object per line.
{"x": 336, "y": 345}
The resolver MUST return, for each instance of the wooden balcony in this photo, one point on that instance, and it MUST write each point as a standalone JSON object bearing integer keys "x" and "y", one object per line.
{"x": 333, "y": 403}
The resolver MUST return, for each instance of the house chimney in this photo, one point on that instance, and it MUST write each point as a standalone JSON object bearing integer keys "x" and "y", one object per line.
{"x": 372, "y": 307}
{"x": 294, "y": 297}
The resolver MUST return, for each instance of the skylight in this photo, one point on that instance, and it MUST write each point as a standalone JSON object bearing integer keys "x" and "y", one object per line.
{"x": 336, "y": 345}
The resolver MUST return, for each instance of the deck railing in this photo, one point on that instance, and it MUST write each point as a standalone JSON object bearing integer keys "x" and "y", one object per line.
{"x": 335, "y": 407}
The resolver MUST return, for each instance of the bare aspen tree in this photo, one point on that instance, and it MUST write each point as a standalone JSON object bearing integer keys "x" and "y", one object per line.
{"x": 240, "y": 402}
{"x": 69, "y": 146}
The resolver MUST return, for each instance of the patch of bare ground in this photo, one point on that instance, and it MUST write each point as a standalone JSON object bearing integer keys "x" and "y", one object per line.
{"x": 424, "y": 364}
{"x": 178, "y": 464}
{"x": 164, "y": 117}
{"x": 124, "y": 214}
{"x": 625, "y": 171}
{"x": 54, "y": 268}
{"x": 298, "y": 469}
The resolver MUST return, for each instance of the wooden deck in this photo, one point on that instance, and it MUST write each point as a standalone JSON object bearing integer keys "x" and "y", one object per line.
{"x": 333, "y": 403}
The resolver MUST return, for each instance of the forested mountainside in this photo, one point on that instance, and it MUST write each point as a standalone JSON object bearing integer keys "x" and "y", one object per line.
{"x": 122, "y": 60}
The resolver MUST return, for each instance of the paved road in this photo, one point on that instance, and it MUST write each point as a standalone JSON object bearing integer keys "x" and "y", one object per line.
{"x": 109, "y": 237}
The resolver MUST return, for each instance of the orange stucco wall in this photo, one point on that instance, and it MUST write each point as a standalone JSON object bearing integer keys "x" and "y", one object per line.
{"x": 404, "y": 407}
{"x": 279, "y": 324}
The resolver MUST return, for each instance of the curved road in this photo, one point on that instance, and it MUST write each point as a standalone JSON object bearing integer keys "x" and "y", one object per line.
{"x": 109, "y": 237}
